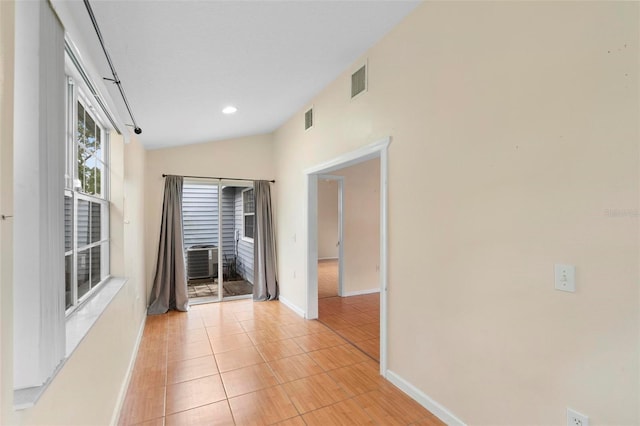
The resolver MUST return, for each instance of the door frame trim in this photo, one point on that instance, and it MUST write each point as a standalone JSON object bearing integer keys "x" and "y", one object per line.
{"x": 379, "y": 149}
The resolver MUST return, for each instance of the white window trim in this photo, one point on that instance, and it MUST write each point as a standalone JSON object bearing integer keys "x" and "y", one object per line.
{"x": 77, "y": 91}
{"x": 104, "y": 260}
{"x": 245, "y": 238}
{"x": 78, "y": 325}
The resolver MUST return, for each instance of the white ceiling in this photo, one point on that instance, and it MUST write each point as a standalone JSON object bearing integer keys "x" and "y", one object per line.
{"x": 181, "y": 62}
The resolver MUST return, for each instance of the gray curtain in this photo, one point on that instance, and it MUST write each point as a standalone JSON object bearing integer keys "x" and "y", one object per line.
{"x": 170, "y": 284}
{"x": 265, "y": 280}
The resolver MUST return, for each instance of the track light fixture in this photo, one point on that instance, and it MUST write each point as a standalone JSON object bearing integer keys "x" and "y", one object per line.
{"x": 115, "y": 80}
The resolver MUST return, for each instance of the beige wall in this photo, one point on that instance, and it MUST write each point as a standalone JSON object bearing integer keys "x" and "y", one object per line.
{"x": 327, "y": 219}
{"x": 515, "y": 135}
{"x": 361, "y": 227}
{"x": 245, "y": 158}
{"x": 7, "y": 39}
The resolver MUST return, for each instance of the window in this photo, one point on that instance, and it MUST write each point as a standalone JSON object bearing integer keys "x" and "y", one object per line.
{"x": 248, "y": 213}
{"x": 86, "y": 204}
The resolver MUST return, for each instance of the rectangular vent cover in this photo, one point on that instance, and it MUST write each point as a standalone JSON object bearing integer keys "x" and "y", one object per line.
{"x": 359, "y": 81}
{"x": 308, "y": 119}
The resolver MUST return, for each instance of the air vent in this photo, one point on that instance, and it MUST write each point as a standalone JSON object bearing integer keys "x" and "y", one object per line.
{"x": 308, "y": 119}
{"x": 359, "y": 81}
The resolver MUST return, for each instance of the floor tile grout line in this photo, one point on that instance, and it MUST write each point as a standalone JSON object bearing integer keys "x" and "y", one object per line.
{"x": 281, "y": 327}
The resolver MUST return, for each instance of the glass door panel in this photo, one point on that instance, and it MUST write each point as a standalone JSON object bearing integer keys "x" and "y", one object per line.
{"x": 200, "y": 222}
{"x": 237, "y": 217}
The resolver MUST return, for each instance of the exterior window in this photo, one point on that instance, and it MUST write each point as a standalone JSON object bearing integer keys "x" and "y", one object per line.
{"x": 248, "y": 213}
{"x": 86, "y": 202}
{"x": 89, "y": 154}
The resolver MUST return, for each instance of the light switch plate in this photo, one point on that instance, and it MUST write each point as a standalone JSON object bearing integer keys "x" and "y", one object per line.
{"x": 565, "y": 278}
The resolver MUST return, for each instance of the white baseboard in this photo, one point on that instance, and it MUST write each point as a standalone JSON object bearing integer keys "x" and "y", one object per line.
{"x": 361, "y": 292}
{"x": 125, "y": 385}
{"x": 292, "y": 306}
{"x": 423, "y": 399}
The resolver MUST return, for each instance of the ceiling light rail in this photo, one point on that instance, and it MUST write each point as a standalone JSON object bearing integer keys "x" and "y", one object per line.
{"x": 115, "y": 78}
{"x": 220, "y": 178}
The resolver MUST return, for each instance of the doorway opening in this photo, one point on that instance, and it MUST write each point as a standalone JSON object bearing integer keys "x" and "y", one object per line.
{"x": 353, "y": 309}
{"x": 330, "y": 236}
{"x": 218, "y": 226}
{"x": 369, "y": 309}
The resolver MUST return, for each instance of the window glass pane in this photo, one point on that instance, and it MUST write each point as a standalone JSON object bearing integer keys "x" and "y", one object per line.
{"x": 84, "y": 222}
{"x": 89, "y": 150}
{"x": 82, "y": 169}
{"x": 98, "y": 144}
{"x": 95, "y": 222}
{"x": 84, "y": 225}
{"x": 68, "y": 223}
{"x": 82, "y": 131}
{"x": 249, "y": 203}
{"x": 98, "y": 176}
{"x": 83, "y": 152}
{"x": 90, "y": 126}
{"x": 86, "y": 174}
{"x": 68, "y": 281}
{"x": 248, "y": 226}
{"x": 83, "y": 272}
{"x": 95, "y": 266}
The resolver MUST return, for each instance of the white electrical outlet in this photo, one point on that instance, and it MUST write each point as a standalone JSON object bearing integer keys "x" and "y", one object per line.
{"x": 565, "y": 277}
{"x": 576, "y": 419}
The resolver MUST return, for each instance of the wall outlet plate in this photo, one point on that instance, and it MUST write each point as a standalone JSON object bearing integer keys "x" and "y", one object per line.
{"x": 576, "y": 419}
{"x": 565, "y": 277}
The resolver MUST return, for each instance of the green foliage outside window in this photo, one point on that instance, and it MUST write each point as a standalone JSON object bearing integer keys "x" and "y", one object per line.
{"x": 89, "y": 145}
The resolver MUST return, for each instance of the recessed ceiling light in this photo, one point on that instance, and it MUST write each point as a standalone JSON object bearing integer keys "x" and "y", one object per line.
{"x": 229, "y": 110}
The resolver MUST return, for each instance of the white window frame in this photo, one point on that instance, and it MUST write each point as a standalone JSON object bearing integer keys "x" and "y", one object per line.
{"x": 244, "y": 215}
{"x": 77, "y": 93}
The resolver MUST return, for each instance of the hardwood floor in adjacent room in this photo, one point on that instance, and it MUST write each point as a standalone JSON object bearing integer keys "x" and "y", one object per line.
{"x": 327, "y": 278}
{"x": 355, "y": 318}
{"x": 240, "y": 362}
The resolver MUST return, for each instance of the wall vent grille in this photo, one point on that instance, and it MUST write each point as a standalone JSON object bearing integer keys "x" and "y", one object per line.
{"x": 359, "y": 81}
{"x": 308, "y": 119}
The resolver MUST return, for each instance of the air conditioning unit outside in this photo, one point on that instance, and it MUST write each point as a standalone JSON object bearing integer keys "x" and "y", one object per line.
{"x": 202, "y": 262}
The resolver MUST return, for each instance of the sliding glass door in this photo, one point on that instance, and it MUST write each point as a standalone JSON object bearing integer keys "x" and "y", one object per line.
{"x": 218, "y": 224}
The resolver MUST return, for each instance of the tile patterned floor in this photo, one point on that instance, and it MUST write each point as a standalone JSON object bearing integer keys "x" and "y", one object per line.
{"x": 241, "y": 363}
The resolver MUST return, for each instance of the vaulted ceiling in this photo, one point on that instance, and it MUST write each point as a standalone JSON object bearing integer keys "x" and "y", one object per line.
{"x": 182, "y": 62}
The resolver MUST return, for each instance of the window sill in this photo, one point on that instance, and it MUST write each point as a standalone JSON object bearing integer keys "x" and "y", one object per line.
{"x": 78, "y": 325}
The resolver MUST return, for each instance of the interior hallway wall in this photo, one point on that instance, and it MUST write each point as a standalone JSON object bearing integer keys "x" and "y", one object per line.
{"x": 361, "y": 227}
{"x": 328, "y": 219}
{"x": 514, "y": 147}
{"x": 7, "y": 64}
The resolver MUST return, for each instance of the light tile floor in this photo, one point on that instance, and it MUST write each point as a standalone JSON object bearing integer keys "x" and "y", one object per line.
{"x": 259, "y": 363}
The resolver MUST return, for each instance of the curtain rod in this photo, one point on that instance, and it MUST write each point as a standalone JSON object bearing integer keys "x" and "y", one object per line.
{"x": 115, "y": 78}
{"x": 221, "y": 178}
